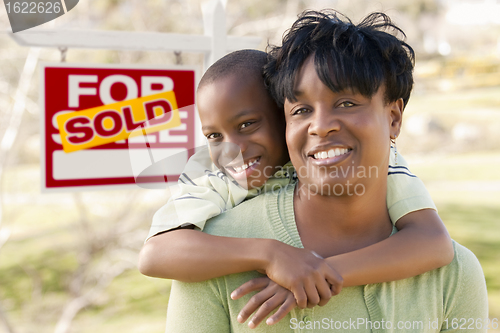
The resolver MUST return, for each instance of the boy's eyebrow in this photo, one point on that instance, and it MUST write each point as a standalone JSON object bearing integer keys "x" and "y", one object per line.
{"x": 233, "y": 118}
{"x": 240, "y": 114}
{"x": 207, "y": 128}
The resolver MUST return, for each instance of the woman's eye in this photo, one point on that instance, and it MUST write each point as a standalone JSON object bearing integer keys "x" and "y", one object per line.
{"x": 346, "y": 104}
{"x": 212, "y": 136}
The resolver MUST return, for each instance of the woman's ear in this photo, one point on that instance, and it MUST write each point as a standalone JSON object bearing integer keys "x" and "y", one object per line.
{"x": 397, "y": 108}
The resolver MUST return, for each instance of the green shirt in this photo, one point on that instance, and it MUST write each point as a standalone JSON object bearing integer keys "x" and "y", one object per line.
{"x": 435, "y": 301}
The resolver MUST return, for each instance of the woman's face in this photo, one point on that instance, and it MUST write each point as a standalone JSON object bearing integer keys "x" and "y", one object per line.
{"x": 338, "y": 140}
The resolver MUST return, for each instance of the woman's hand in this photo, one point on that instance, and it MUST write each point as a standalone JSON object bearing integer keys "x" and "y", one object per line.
{"x": 309, "y": 277}
{"x": 270, "y": 296}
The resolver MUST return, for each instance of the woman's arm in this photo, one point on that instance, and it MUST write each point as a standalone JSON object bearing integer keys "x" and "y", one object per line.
{"x": 422, "y": 244}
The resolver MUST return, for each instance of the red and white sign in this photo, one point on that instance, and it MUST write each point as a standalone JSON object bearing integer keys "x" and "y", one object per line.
{"x": 99, "y": 92}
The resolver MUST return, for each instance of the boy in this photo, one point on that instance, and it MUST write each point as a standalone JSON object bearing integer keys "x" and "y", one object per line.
{"x": 235, "y": 108}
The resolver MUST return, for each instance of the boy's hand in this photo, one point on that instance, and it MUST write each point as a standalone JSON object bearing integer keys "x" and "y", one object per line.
{"x": 270, "y": 297}
{"x": 309, "y": 277}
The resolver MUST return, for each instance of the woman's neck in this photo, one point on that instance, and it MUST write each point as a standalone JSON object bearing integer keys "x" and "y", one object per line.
{"x": 332, "y": 225}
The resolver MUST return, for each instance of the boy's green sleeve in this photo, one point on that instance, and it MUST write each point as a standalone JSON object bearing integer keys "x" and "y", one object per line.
{"x": 202, "y": 192}
{"x": 406, "y": 193}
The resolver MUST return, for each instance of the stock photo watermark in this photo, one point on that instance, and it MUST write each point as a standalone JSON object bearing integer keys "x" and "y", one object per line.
{"x": 325, "y": 175}
{"x": 354, "y": 324}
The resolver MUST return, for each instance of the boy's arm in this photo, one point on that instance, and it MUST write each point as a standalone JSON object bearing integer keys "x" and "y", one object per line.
{"x": 193, "y": 256}
{"x": 422, "y": 244}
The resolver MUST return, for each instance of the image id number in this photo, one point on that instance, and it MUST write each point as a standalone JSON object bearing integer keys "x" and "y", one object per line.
{"x": 33, "y": 7}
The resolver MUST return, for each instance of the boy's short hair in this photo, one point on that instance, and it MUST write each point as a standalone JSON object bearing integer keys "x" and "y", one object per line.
{"x": 248, "y": 64}
{"x": 346, "y": 56}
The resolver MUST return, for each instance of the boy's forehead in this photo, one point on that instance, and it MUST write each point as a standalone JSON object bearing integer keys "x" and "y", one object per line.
{"x": 233, "y": 85}
{"x": 234, "y": 95}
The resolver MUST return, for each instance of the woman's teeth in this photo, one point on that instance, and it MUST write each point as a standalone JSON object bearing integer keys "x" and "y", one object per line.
{"x": 330, "y": 153}
{"x": 244, "y": 166}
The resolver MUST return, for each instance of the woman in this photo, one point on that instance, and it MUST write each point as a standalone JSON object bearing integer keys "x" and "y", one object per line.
{"x": 341, "y": 90}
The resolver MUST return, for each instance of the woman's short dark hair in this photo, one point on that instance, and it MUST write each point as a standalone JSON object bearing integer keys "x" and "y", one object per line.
{"x": 346, "y": 56}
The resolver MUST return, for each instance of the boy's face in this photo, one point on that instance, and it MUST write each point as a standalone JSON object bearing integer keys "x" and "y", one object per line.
{"x": 237, "y": 112}
{"x": 333, "y": 136}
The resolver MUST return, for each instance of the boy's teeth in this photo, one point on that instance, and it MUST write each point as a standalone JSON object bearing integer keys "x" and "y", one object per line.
{"x": 244, "y": 166}
{"x": 330, "y": 153}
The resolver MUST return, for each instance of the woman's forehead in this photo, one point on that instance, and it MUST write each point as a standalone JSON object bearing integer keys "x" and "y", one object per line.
{"x": 309, "y": 70}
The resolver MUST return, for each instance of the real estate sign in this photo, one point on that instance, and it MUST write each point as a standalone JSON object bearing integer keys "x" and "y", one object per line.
{"x": 103, "y": 125}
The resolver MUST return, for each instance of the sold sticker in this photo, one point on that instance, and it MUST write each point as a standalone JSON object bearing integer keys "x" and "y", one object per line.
{"x": 114, "y": 122}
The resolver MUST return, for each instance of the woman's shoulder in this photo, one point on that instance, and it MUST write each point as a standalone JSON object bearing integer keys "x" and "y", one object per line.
{"x": 464, "y": 259}
{"x": 463, "y": 278}
{"x": 465, "y": 264}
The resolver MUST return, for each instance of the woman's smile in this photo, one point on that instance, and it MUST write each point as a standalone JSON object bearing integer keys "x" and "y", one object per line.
{"x": 328, "y": 156}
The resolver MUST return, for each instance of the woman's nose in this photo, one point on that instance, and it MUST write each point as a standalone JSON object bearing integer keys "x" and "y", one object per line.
{"x": 323, "y": 122}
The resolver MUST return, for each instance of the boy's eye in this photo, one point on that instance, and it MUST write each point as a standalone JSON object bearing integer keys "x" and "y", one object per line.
{"x": 212, "y": 136}
{"x": 300, "y": 111}
{"x": 346, "y": 104}
{"x": 245, "y": 124}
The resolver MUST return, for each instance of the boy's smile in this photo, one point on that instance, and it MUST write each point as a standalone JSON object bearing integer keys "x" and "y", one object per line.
{"x": 242, "y": 170}
{"x": 238, "y": 115}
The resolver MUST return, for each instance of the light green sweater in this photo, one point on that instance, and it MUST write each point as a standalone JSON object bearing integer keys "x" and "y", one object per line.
{"x": 437, "y": 301}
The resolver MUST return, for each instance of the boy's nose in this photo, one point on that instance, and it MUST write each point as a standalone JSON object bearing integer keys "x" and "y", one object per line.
{"x": 225, "y": 152}
{"x": 237, "y": 142}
